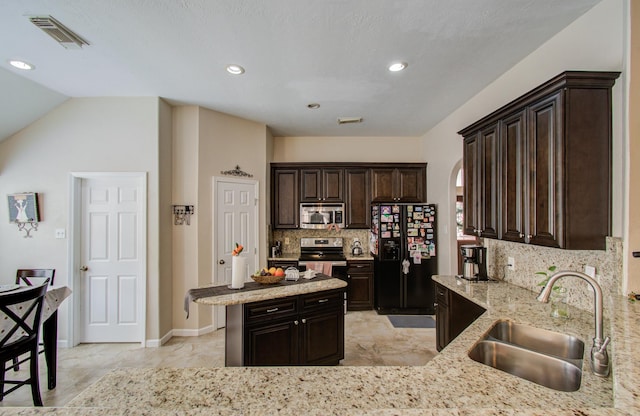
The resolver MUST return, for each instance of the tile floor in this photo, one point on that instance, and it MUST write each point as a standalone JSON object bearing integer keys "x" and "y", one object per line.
{"x": 370, "y": 340}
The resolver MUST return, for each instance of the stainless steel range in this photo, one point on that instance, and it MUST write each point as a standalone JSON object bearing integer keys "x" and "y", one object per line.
{"x": 323, "y": 252}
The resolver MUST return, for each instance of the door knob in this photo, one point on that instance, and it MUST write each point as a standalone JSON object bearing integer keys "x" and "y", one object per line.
{"x": 221, "y": 261}
{"x": 84, "y": 268}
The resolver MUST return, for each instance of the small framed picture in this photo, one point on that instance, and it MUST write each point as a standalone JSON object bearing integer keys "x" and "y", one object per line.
{"x": 23, "y": 207}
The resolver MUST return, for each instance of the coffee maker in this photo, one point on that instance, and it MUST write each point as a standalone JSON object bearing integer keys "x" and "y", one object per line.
{"x": 474, "y": 262}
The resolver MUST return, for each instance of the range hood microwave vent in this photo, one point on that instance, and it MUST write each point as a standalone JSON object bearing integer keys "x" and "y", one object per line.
{"x": 63, "y": 35}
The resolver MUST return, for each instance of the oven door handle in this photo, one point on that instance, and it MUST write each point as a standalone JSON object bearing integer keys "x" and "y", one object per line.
{"x": 333, "y": 263}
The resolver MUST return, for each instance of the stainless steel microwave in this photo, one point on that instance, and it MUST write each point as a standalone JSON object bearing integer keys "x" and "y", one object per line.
{"x": 318, "y": 216}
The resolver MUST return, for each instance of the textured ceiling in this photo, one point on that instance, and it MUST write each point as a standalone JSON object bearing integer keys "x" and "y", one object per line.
{"x": 295, "y": 52}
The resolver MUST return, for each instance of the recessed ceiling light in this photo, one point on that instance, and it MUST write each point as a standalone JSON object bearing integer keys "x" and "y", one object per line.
{"x": 235, "y": 69}
{"x": 21, "y": 65}
{"x": 397, "y": 66}
{"x": 313, "y": 106}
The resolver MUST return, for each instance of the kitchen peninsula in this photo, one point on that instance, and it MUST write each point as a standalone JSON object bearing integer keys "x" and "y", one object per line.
{"x": 288, "y": 323}
{"x": 450, "y": 384}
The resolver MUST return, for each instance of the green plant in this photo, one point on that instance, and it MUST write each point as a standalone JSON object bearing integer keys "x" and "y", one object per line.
{"x": 547, "y": 274}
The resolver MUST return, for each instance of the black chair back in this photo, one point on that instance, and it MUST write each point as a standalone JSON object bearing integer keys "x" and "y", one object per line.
{"x": 21, "y": 313}
{"x": 34, "y": 277}
{"x": 23, "y": 309}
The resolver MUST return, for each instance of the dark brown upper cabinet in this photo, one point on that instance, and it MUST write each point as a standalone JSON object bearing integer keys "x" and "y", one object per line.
{"x": 481, "y": 171}
{"x": 321, "y": 185}
{"x": 357, "y": 185}
{"x": 285, "y": 201}
{"x": 551, "y": 157}
{"x": 406, "y": 184}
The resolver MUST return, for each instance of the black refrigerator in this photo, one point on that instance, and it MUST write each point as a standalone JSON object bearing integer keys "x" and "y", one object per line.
{"x": 403, "y": 244}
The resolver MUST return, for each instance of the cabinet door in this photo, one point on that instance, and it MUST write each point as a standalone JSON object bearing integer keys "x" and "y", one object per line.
{"x": 272, "y": 344}
{"x": 514, "y": 177}
{"x": 332, "y": 185}
{"x": 442, "y": 317}
{"x": 360, "y": 286}
{"x": 545, "y": 161}
{"x": 462, "y": 312}
{"x": 409, "y": 185}
{"x": 310, "y": 185}
{"x": 488, "y": 178}
{"x": 357, "y": 198}
{"x": 322, "y": 337}
{"x": 286, "y": 209}
{"x": 471, "y": 221}
{"x": 382, "y": 185}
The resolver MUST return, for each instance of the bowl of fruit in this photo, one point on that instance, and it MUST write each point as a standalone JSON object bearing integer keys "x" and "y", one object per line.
{"x": 268, "y": 276}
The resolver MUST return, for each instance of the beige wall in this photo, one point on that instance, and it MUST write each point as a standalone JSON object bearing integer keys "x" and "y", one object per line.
{"x": 592, "y": 42}
{"x": 348, "y": 149}
{"x": 633, "y": 155}
{"x": 165, "y": 217}
{"x": 81, "y": 135}
{"x": 207, "y": 142}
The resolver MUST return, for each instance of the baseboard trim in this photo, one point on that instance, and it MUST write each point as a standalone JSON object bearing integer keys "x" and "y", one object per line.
{"x": 152, "y": 343}
{"x": 193, "y": 332}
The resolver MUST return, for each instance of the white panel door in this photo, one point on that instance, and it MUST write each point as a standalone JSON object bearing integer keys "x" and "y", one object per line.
{"x": 235, "y": 222}
{"x": 111, "y": 250}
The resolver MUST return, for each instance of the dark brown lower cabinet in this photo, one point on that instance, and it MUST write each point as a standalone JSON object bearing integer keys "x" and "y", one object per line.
{"x": 360, "y": 285}
{"x": 298, "y": 330}
{"x": 454, "y": 314}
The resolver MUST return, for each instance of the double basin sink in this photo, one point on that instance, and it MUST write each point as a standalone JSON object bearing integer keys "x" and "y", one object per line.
{"x": 548, "y": 358}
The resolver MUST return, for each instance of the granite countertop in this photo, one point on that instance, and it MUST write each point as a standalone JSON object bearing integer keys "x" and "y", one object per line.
{"x": 450, "y": 384}
{"x": 254, "y": 292}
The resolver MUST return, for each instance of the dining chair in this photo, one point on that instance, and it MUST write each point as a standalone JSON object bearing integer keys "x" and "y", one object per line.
{"x": 20, "y": 314}
{"x": 31, "y": 277}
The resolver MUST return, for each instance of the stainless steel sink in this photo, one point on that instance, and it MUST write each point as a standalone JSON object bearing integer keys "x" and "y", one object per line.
{"x": 548, "y": 358}
{"x": 546, "y": 370}
{"x": 536, "y": 339}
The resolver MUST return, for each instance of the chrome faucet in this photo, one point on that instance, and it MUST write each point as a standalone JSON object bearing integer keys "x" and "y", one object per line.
{"x": 600, "y": 364}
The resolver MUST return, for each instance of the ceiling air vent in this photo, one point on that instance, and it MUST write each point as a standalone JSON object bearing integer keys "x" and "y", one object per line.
{"x": 59, "y": 32}
{"x": 347, "y": 120}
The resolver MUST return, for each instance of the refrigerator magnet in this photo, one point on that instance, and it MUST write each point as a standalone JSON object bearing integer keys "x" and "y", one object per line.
{"x": 417, "y": 216}
{"x": 396, "y": 233}
{"x": 418, "y": 209}
{"x": 386, "y": 234}
{"x": 412, "y": 232}
{"x": 417, "y": 257}
{"x": 409, "y": 208}
{"x": 395, "y": 209}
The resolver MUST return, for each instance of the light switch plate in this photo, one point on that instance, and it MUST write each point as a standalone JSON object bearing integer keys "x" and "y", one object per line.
{"x": 61, "y": 233}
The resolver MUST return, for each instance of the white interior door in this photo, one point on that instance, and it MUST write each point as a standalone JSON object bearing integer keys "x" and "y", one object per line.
{"x": 112, "y": 258}
{"x": 235, "y": 219}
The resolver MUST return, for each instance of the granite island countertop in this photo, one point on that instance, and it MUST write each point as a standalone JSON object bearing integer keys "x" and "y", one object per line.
{"x": 254, "y": 292}
{"x": 450, "y": 384}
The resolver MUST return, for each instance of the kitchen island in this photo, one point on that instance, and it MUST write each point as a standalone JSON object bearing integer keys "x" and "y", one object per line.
{"x": 288, "y": 323}
{"x": 450, "y": 384}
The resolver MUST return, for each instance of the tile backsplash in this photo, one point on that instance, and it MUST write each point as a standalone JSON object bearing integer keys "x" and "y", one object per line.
{"x": 530, "y": 259}
{"x": 294, "y": 236}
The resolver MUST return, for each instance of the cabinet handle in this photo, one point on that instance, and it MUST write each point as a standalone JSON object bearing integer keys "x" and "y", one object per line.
{"x": 321, "y": 301}
{"x": 521, "y": 235}
{"x": 304, "y": 321}
{"x": 295, "y": 322}
{"x": 435, "y": 305}
{"x": 529, "y": 236}
{"x": 479, "y": 233}
{"x": 272, "y": 310}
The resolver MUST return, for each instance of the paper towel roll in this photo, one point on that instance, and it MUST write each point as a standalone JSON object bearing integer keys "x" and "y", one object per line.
{"x": 238, "y": 272}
